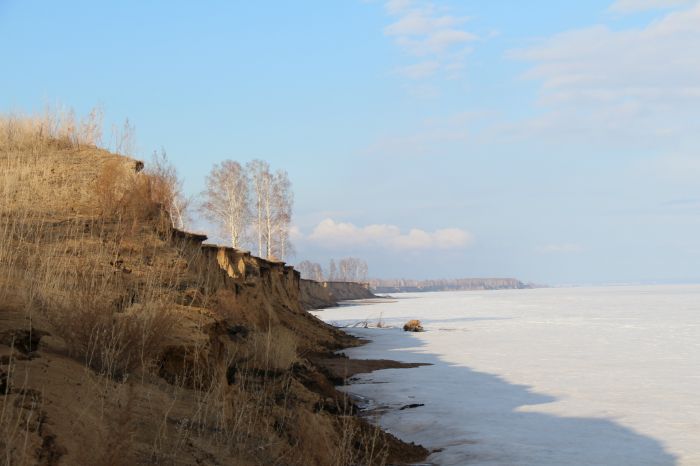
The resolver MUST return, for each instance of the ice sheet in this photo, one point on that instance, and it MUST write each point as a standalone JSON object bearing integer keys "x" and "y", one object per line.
{"x": 576, "y": 376}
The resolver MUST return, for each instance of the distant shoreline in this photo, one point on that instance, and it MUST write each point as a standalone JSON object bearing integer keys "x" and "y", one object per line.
{"x": 460, "y": 284}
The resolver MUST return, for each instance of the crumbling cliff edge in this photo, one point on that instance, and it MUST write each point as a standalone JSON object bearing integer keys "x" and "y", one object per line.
{"x": 125, "y": 341}
{"x": 319, "y": 295}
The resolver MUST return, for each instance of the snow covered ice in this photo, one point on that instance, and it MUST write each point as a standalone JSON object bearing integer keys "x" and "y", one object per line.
{"x": 567, "y": 376}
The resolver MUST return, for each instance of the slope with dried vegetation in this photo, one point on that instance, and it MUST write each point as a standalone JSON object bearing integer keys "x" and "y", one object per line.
{"x": 126, "y": 341}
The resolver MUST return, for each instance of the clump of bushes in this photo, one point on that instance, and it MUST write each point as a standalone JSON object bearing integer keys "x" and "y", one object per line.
{"x": 413, "y": 326}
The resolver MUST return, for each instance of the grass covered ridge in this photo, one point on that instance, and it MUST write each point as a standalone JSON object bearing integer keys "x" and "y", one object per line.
{"x": 124, "y": 341}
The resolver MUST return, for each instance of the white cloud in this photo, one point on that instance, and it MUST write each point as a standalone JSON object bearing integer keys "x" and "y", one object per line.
{"x": 656, "y": 63}
{"x": 424, "y": 30}
{"x": 636, "y": 81}
{"x": 421, "y": 22}
{"x": 395, "y": 7}
{"x": 565, "y": 248}
{"x": 330, "y": 233}
{"x": 632, "y": 6}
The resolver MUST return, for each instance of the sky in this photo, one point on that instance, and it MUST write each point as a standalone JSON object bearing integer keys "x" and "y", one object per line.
{"x": 555, "y": 142}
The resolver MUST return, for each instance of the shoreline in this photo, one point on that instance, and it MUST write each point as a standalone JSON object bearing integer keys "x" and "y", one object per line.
{"x": 341, "y": 369}
{"x": 338, "y": 369}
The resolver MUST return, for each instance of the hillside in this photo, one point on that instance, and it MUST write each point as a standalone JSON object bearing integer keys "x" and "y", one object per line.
{"x": 316, "y": 295}
{"x": 124, "y": 341}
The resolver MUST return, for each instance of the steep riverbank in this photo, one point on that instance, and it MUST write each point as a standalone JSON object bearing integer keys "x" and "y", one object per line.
{"x": 124, "y": 341}
{"x": 319, "y": 295}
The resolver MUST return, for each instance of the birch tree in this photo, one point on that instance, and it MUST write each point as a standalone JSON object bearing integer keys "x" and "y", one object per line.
{"x": 226, "y": 200}
{"x": 310, "y": 270}
{"x": 332, "y": 271}
{"x": 261, "y": 181}
{"x": 349, "y": 269}
{"x": 281, "y": 213}
{"x": 272, "y": 207}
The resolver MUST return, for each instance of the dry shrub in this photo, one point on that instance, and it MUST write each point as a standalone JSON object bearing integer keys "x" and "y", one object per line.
{"x": 359, "y": 443}
{"x": 110, "y": 186}
{"x": 242, "y": 418}
{"x": 166, "y": 189}
{"x": 114, "y": 344}
{"x": 125, "y": 195}
{"x": 59, "y": 127}
{"x": 413, "y": 326}
{"x": 137, "y": 205}
{"x": 56, "y": 127}
{"x": 124, "y": 138}
{"x": 275, "y": 349}
{"x": 135, "y": 197}
{"x": 112, "y": 324}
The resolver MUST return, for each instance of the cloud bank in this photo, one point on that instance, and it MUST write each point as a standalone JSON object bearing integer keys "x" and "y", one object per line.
{"x": 651, "y": 65}
{"x": 634, "y": 84}
{"x": 330, "y": 233}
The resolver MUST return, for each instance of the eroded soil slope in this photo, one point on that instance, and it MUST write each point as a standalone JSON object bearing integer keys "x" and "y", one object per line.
{"x": 124, "y": 341}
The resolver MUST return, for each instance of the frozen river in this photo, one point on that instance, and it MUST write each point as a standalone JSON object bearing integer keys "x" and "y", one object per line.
{"x": 566, "y": 376}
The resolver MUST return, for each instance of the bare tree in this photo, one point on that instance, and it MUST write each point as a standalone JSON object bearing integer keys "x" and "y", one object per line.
{"x": 226, "y": 200}
{"x": 281, "y": 213}
{"x": 166, "y": 188}
{"x": 344, "y": 268}
{"x": 124, "y": 138}
{"x": 272, "y": 207}
{"x": 305, "y": 268}
{"x": 363, "y": 270}
{"x": 318, "y": 272}
{"x": 261, "y": 179}
{"x": 310, "y": 270}
{"x": 350, "y": 269}
{"x": 332, "y": 271}
{"x": 90, "y": 131}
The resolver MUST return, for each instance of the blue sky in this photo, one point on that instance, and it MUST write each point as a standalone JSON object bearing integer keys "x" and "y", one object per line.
{"x": 551, "y": 141}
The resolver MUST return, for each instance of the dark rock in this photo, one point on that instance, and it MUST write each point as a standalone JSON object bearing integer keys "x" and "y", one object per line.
{"x": 25, "y": 341}
{"x": 231, "y": 375}
{"x": 412, "y": 405}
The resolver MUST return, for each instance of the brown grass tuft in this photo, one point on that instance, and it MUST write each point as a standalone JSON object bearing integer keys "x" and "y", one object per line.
{"x": 273, "y": 350}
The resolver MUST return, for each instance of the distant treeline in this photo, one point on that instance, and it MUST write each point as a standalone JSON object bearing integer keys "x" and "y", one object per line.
{"x": 459, "y": 284}
{"x": 349, "y": 269}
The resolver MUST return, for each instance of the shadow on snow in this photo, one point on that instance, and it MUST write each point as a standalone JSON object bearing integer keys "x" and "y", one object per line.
{"x": 481, "y": 419}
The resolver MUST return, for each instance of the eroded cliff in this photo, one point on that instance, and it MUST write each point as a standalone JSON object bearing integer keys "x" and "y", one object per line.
{"x": 318, "y": 295}
{"x": 124, "y": 341}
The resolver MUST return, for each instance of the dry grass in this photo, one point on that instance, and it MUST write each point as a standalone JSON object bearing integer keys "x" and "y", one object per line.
{"x": 59, "y": 128}
{"x": 86, "y": 256}
{"x": 62, "y": 263}
{"x": 273, "y": 350}
{"x": 166, "y": 189}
